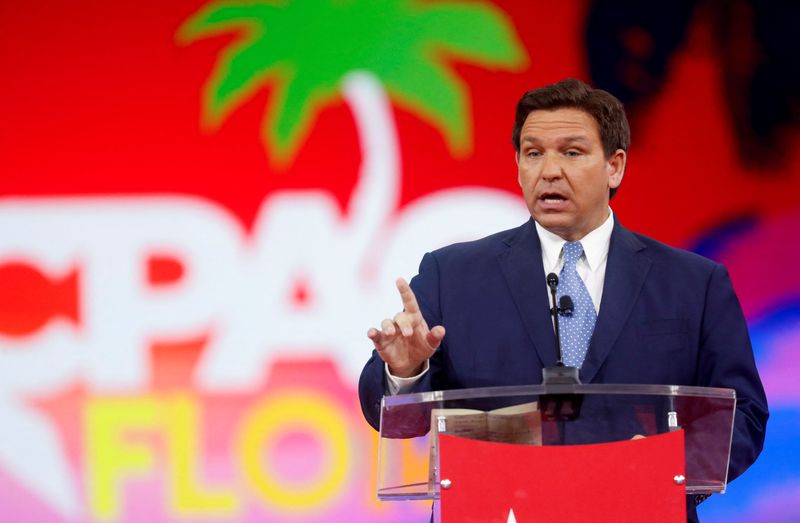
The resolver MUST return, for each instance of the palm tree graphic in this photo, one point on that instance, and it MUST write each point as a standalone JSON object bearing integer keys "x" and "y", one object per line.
{"x": 307, "y": 50}
{"x": 371, "y": 53}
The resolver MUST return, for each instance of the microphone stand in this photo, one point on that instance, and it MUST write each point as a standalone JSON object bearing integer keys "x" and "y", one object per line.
{"x": 559, "y": 407}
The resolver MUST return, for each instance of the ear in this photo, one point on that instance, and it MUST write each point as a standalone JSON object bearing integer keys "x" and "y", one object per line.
{"x": 519, "y": 174}
{"x": 616, "y": 168}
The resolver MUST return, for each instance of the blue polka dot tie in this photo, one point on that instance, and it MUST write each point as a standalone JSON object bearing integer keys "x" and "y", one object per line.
{"x": 576, "y": 328}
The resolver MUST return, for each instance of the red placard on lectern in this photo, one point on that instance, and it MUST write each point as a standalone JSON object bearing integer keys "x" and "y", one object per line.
{"x": 616, "y": 482}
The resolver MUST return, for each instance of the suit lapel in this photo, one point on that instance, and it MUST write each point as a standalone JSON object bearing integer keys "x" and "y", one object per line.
{"x": 626, "y": 272}
{"x": 522, "y": 268}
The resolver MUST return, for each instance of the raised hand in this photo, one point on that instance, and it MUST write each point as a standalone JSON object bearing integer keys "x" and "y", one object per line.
{"x": 405, "y": 342}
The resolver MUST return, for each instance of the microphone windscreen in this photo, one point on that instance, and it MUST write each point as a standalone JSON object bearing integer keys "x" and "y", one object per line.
{"x": 552, "y": 280}
{"x": 565, "y": 304}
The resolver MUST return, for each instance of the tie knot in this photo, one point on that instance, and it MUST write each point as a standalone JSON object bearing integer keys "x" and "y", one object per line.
{"x": 572, "y": 252}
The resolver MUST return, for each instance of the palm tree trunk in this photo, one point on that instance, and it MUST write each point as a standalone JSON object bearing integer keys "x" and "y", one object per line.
{"x": 376, "y": 195}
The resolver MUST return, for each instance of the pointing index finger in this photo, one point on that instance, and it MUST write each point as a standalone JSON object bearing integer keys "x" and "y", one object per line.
{"x": 407, "y": 295}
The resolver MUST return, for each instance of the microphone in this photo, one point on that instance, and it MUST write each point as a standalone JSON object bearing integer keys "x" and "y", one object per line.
{"x": 552, "y": 282}
{"x": 565, "y": 305}
{"x": 560, "y": 406}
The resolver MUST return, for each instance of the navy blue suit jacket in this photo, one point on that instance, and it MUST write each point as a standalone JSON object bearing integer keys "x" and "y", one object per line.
{"x": 667, "y": 316}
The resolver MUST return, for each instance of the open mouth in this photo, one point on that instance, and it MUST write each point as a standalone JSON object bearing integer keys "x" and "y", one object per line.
{"x": 552, "y": 198}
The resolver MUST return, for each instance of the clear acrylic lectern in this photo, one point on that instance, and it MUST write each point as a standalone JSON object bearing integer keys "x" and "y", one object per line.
{"x": 552, "y": 415}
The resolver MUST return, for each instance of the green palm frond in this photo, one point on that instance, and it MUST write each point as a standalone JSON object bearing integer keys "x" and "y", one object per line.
{"x": 305, "y": 48}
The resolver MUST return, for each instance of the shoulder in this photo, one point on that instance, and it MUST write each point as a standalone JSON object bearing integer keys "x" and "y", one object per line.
{"x": 670, "y": 259}
{"x": 661, "y": 249}
{"x": 488, "y": 246}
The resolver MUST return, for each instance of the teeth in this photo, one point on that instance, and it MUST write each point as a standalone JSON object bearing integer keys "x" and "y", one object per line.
{"x": 553, "y": 200}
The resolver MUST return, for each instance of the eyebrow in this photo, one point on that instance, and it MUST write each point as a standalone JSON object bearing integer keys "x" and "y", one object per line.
{"x": 565, "y": 140}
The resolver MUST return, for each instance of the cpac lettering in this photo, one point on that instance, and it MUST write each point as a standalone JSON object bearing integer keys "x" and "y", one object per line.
{"x": 238, "y": 289}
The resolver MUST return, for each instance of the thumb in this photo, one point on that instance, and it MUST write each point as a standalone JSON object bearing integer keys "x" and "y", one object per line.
{"x": 434, "y": 336}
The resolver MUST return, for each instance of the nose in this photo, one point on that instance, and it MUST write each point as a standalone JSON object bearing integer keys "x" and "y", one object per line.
{"x": 551, "y": 168}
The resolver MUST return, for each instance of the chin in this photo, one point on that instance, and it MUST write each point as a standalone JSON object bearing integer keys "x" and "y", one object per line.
{"x": 551, "y": 221}
{"x": 560, "y": 228}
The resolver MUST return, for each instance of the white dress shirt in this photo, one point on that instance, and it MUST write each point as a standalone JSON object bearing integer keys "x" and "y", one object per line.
{"x": 591, "y": 268}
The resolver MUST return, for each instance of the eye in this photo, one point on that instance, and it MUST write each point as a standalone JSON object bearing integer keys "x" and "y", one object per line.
{"x": 533, "y": 153}
{"x": 572, "y": 153}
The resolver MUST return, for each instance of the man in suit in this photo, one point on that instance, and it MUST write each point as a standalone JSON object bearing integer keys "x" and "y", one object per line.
{"x": 477, "y": 314}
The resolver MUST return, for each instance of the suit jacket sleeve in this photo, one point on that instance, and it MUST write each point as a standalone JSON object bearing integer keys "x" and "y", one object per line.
{"x": 726, "y": 360}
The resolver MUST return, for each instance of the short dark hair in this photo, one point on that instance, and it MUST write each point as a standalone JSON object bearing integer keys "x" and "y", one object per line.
{"x": 605, "y": 108}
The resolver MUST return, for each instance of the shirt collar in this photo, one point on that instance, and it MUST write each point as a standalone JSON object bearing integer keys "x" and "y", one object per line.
{"x": 595, "y": 244}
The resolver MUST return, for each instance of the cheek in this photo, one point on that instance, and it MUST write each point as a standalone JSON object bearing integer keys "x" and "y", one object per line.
{"x": 522, "y": 178}
{"x": 528, "y": 185}
{"x": 526, "y": 176}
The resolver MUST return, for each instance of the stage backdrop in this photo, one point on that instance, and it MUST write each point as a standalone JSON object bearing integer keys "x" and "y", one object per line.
{"x": 204, "y": 206}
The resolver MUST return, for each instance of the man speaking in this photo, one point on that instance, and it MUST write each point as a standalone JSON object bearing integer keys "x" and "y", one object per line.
{"x": 477, "y": 314}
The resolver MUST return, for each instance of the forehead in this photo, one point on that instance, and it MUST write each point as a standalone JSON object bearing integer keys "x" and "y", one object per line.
{"x": 554, "y": 123}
